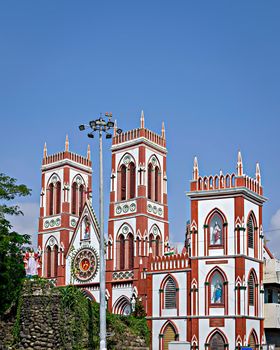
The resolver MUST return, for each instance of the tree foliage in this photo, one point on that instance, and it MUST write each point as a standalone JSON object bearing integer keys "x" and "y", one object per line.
{"x": 11, "y": 242}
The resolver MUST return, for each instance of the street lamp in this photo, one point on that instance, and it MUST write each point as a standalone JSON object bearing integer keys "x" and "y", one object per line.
{"x": 101, "y": 125}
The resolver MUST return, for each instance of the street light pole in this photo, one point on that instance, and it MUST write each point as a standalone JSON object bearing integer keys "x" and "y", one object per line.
{"x": 102, "y": 282}
{"x": 101, "y": 125}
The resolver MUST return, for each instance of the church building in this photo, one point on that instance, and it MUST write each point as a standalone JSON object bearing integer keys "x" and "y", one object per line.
{"x": 210, "y": 294}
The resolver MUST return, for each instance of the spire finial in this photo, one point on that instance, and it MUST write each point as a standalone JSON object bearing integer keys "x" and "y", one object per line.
{"x": 142, "y": 120}
{"x": 45, "y": 150}
{"x": 258, "y": 173}
{"x": 66, "y": 144}
{"x": 195, "y": 169}
{"x": 239, "y": 164}
{"x": 115, "y": 127}
{"x": 88, "y": 152}
{"x": 163, "y": 130}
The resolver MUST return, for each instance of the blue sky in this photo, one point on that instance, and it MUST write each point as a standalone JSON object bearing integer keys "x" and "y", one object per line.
{"x": 209, "y": 69}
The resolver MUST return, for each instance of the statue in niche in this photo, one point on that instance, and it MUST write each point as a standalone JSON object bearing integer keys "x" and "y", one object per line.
{"x": 86, "y": 229}
{"x": 216, "y": 232}
{"x": 217, "y": 290}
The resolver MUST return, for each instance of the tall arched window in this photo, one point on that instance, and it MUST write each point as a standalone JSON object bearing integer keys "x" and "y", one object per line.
{"x": 123, "y": 182}
{"x": 157, "y": 246}
{"x": 217, "y": 342}
{"x": 74, "y": 198}
{"x": 55, "y": 260}
{"x": 150, "y": 169}
{"x": 251, "y": 290}
{"x": 170, "y": 294}
{"x": 168, "y": 336}
{"x": 122, "y": 251}
{"x": 130, "y": 251}
{"x": 49, "y": 261}
{"x": 250, "y": 231}
{"x": 157, "y": 184}
{"x": 132, "y": 180}
{"x": 51, "y": 193}
{"x": 58, "y": 197}
{"x": 81, "y": 198}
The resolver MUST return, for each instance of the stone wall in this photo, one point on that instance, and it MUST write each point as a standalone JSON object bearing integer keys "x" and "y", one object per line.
{"x": 41, "y": 324}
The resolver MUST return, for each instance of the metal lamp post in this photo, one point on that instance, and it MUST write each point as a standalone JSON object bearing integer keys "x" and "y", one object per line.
{"x": 101, "y": 126}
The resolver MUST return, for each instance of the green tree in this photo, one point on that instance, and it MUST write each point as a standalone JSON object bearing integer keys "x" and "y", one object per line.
{"x": 11, "y": 242}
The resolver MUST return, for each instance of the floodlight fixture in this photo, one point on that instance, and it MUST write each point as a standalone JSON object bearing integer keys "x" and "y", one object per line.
{"x": 119, "y": 131}
{"x": 110, "y": 124}
{"x": 82, "y": 127}
{"x": 92, "y": 123}
{"x": 108, "y": 136}
{"x": 91, "y": 136}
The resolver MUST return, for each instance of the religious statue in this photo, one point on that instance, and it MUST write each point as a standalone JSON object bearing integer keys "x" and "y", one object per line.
{"x": 217, "y": 293}
{"x": 32, "y": 262}
{"x": 87, "y": 229}
{"x": 217, "y": 234}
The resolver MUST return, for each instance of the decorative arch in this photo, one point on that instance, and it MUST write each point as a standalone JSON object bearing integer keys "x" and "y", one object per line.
{"x": 126, "y": 177}
{"x": 155, "y": 240}
{"x": 253, "y": 340}
{"x": 88, "y": 295}
{"x": 54, "y": 195}
{"x": 169, "y": 293}
{"x": 122, "y": 306}
{"x": 125, "y": 247}
{"x": 169, "y": 332}
{"x": 78, "y": 189}
{"x": 216, "y": 340}
{"x": 51, "y": 258}
{"x": 154, "y": 179}
{"x": 216, "y": 290}
{"x": 215, "y": 231}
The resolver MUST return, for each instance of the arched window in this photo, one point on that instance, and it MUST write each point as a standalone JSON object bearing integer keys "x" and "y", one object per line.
{"x": 216, "y": 230}
{"x": 170, "y": 294}
{"x": 251, "y": 290}
{"x": 250, "y": 231}
{"x": 58, "y": 197}
{"x": 157, "y": 184}
{"x": 81, "y": 198}
{"x": 74, "y": 198}
{"x": 132, "y": 180}
{"x": 49, "y": 261}
{"x": 157, "y": 246}
{"x": 217, "y": 342}
{"x": 150, "y": 169}
{"x": 130, "y": 251}
{"x": 168, "y": 336}
{"x": 51, "y": 193}
{"x": 217, "y": 289}
{"x": 123, "y": 182}
{"x": 151, "y": 243}
{"x": 122, "y": 256}
{"x": 55, "y": 260}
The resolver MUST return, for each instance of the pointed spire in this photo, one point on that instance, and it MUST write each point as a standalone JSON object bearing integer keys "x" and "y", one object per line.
{"x": 142, "y": 120}
{"x": 195, "y": 169}
{"x": 115, "y": 127}
{"x": 66, "y": 144}
{"x": 258, "y": 173}
{"x": 88, "y": 152}
{"x": 163, "y": 130}
{"x": 239, "y": 164}
{"x": 45, "y": 150}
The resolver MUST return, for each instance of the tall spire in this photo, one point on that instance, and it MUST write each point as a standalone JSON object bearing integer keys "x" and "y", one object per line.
{"x": 66, "y": 144}
{"x": 142, "y": 120}
{"x": 239, "y": 164}
{"x": 115, "y": 128}
{"x": 88, "y": 152}
{"x": 45, "y": 150}
{"x": 163, "y": 130}
{"x": 195, "y": 169}
{"x": 258, "y": 173}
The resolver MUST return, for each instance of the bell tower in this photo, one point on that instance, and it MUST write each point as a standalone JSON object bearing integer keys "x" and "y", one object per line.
{"x": 66, "y": 183}
{"x": 138, "y": 219}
